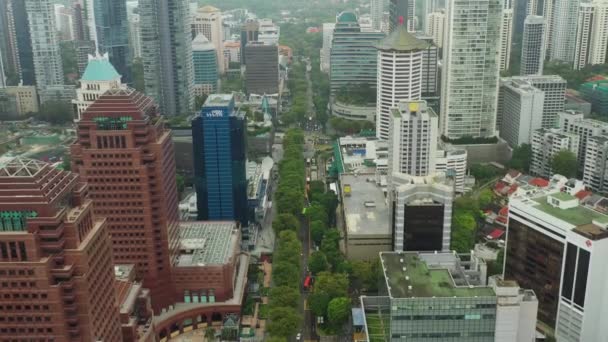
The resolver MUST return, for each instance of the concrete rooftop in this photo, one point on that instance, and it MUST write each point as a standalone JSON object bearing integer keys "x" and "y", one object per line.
{"x": 207, "y": 243}
{"x": 365, "y": 210}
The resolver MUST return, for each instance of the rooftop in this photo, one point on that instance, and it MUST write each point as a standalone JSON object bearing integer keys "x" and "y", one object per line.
{"x": 577, "y": 216}
{"x": 408, "y": 276}
{"x": 207, "y": 243}
{"x": 402, "y": 41}
{"x": 201, "y": 43}
{"x": 20, "y": 167}
{"x": 98, "y": 69}
{"x": 365, "y": 210}
{"x": 218, "y": 100}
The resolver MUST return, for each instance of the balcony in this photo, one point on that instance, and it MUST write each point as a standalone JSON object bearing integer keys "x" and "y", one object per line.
{"x": 51, "y": 234}
{"x": 54, "y": 246}
{"x": 63, "y": 274}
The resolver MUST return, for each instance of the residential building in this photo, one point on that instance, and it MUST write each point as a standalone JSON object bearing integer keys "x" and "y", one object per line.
{"x": 591, "y": 34}
{"x": 400, "y": 61}
{"x": 26, "y": 97}
{"x": 99, "y": 77}
{"x": 554, "y": 88}
{"x": 413, "y": 138}
{"x": 63, "y": 93}
{"x": 546, "y": 143}
{"x": 563, "y": 26}
{"x": 533, "y": 46}
{"x": 135, "y": 35}
{"x": 596, "y": 92}
{"x": 420, "y": 212}
{"x": 204, "y": 60}
{"x": 218, "y": 135}
{"x": 452, "y": 161}
{"x": 208, "y": 21}
{"x": 167, "y": 54}
{"x": 522, "y": 112}
{"x": 594, "y": 170}
{"x": 250, "y": 32}
{"x": 125, "y": 153}
{"x": 353, "y": 57}
{"x": 377, "y": 13}
{"x": 45, "y": 46}
{"x": 269, "y": 32}
{"x": 575, "y": 122}
{"x": 506, "y": 38}
{"x": 435, "y": 27}
{"x": 55, "y": 257}
{"x": 470, "y": 88}
{"x": 547, "y": 13}
{"x": 232, "y": 49}
{"x": 365, "y": 216}
{"x": 328, "y": 35}
{"x": 556, "y": 245}
{"x": 398, "y": 13}
{"x": 445, "y": 297}
{"x": 63, "y": 22}
{"x": 262, "y": 68}
{"x": 84, "y": 44}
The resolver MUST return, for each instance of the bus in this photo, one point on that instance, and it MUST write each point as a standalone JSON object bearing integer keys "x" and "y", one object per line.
{"x": 307, "y": 282}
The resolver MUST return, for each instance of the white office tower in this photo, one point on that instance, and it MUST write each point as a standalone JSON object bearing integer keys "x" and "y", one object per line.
{"x": 533, "y": 46}
{"x": 435, "y": 25}
{"x": 208, "y": 21}
{"x": 134, "y": 35}
{"x": 506, "y": 37}
{"x": 328, "y": 35}
{"x": 64, "y": 22}
{"x": 413, "y": 139}
{"x": 564, "y": 22}
{"x": 522, "y": 112}
{"x": 595, "y": 172}
{"x": 591, "y": 34}
{"x": 557, "y": 246}
{"x": 452, "y": 161}
{"x": 412, "y": 20}
{"x": 99, "y": 77}
{"x": 470, "y": 70}
{"x": 45, "y": 47}
{"x": 546, "y": 143}
{"x": 400, "y": 57}
{"x": 548, "y": 15}
{"x": 575, "y": 122}
{"x": 377, "y": 13}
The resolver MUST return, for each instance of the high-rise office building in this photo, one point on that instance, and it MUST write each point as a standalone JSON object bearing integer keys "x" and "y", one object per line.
{"x": 547, "y": 13}
{"x": 99, "y": 77}
{"x": 112, "y": 32}
{"x": 205, "y": 65}
{"x": 399, "y": 75}
{"x": 218, "y": 134}
{"x": 83, "y": 43}
{"x": 208, "y": 21}
{"x": 556, "y": 245}
{"x": 377, "y": 13}
{"x": 430, "y": 68}
{"x": 353, "y": 54}
{"x": 167, "y": 54}
{"x": 546, "y": 143}
{"x": 262, "y": 68}
{"x": 328, "y": 36}
{"x": 554, "y": 88}
{"x": 125, "y": 153}
{"x": 470, "y": 70}
{"x": 591, "y": 34}
{"x": 564, "y": 23}
{"x": 8, "y": 38}
{"x": 522, "y": 112}
{"x": 506, "y": 37}
{"x": 19, "y": 33}
{"x": 45, "y": 46}
{"x": 250, "y": 32}
{"x": 533, "y": 46}
{"x": 398, "y": 12}
{"x": 135, "y": 35}
{"x": 55, "y": 258}
{"x": 435, "y": 26}
{"x": 64, "y": 22}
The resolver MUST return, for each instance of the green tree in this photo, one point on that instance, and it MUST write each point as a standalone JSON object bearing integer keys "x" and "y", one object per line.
{"x": 334, "y": 284}
{"x": 317, "y": 188}
{"x": 137, "y": 72}
{"x": 290, "y": 201}
{"x": 284, "y": 322}
{"x": 564, "y": 163}
{"x": 463, "y": 232}
{"x": 284, "y": 296}
{"x": 484, "y": 173}
{"x": 521, "y": 159}
{"x": 317, "y": 212}
{"x": 365, "y": 275}
{"x": 318, "y": 302}
{"x": 180, "y": 181}
{"x": 330, "y": 246}
{"x": 317, "y": 231}
{"x": 56, "y": 112}
{"x": 285, "y": 222}
{"x": 285, "y": 274}
{"x": 68, "y": 60}
{"x": 66, "y": 163}
{"x": 338, "y": 311}
{"x": 199, "y": 101}
{"x": 318, "y": 262}
{"x": 495, "y": 266}
{"x": 485, "y": 197}
{"x": 210, "y": 334}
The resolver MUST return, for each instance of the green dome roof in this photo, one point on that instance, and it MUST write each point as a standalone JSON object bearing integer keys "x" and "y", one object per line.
{"x": 347, "y": 17}
{"x": 401, "y": 40}
{"x": 99, "y": 68}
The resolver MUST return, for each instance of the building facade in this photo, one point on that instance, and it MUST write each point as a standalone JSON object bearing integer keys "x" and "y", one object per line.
{"x": 208, "y": 21}
{"x": 575, "y": 122}
{"x": 45, "y": 46}
{"x": 522, "y": 108}
{"x": 377, "y": 8}
{"x": 533, "y": 46}
{"x": 18, "y": 30}
{"x": 563, "y": 30}
{"x": 400, "y": 62}
{"x": 250, "y": 32}
{"x": 126, "y": 154}
{"x": 328, "y": 36}
{"x": 596, "y": 158}
{"x": 204, "y": 61}
{"x": 262, "y": 71}
{"x": 592, "y": 34}
{"x": 435, "y": 26}
{"x": 218, "y": 135}
{"x": 506, "y": 38}
{"x": 545, "y": 145}
{"x": 55, "y": 258}
{"x": 398, "y": 13}
{"x": 167, "y": 54}
{"x": 596, "y": 92}
{"x": 27, "y": 99}
{"x": 469, "y": 88}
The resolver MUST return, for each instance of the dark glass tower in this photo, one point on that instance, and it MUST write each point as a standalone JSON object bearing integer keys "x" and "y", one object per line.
{"x": 24, "y": 42}
{"x": 112, "y": 30}
{"x": 397, "y": 9}
{"x": 218, "y": 136}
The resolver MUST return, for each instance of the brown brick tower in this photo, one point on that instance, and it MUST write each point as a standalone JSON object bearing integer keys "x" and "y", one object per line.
{"x": 56, "y": 271}
{"x": 126, "y": 155}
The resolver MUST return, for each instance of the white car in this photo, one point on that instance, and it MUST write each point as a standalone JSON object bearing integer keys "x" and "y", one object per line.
{"x": 298, "y": 337}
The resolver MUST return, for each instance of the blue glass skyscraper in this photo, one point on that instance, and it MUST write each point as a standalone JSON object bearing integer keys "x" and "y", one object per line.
{"x": 112, "y": 33}
{"x": 218, "y": 136}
